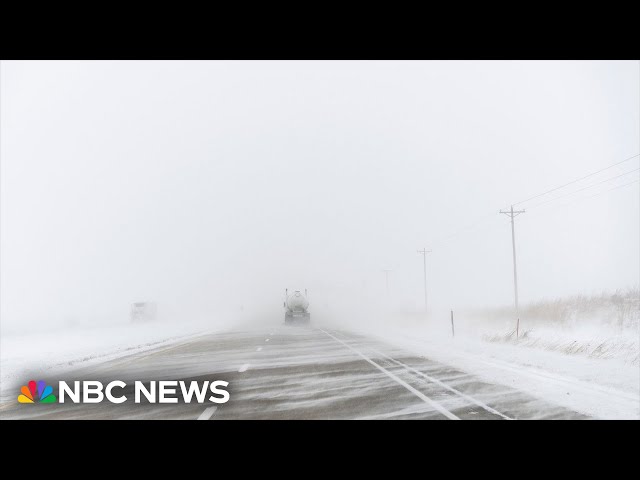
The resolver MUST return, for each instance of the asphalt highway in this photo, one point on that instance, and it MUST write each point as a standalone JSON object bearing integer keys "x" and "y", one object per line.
{"x": 298, "y": 373}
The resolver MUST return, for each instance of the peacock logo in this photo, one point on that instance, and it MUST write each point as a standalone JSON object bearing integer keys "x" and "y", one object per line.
{"x": 44, "y": 393}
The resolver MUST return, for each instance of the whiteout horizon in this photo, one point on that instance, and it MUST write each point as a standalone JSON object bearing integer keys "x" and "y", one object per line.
{"x": 93, "y": 391}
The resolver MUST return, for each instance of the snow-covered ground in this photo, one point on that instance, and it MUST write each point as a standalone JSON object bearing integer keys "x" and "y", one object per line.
{"x": 59, "y": 350}
{"x": 604, "y": 344}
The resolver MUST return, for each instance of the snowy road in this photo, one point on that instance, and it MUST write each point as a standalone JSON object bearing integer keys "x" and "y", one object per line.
{"x": 299, "y": 373}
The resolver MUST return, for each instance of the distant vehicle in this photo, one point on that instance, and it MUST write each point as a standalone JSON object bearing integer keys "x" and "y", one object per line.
{"x": 143, "y": 312}
{"x": 296, "y": 308}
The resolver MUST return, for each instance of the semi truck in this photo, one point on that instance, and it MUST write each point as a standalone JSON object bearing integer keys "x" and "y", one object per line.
{"x": 296, "y": 307}
{"x": 143, "y": 312}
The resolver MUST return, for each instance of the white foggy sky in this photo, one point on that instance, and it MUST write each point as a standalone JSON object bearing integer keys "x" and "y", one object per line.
{"x": 206, "y": 185}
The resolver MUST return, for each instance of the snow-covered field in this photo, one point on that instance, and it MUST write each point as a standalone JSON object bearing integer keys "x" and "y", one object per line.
{"x": 596, "y": 344}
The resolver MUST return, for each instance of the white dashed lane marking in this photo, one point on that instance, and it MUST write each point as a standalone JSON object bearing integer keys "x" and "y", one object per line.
{"x": 258, "y": 349}
{"x": 266, "y": 340}
{"x": 243, "y": 368}
{"x": 208, "y": 413}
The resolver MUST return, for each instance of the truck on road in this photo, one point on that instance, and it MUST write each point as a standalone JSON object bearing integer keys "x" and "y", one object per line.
{"x": 143, "y": 312}
{"x": 296, "y": 308}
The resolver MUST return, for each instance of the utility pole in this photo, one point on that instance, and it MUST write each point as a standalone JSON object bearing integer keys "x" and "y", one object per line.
{"x": 513, "y": 214}
{"x": 386, "y": 276}
{"x": 453, "y": 332}
{"x": 424, "y": 252}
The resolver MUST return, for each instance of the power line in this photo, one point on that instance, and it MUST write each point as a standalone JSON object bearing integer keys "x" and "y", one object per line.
{"x": 571, "y": 202}
{"x": 471, "y": 226}
{"x": 483, "y": 219}
{"x": 577, "y": 180}
{"x": 615, "y": 188}
{"x": 585, "y": 188}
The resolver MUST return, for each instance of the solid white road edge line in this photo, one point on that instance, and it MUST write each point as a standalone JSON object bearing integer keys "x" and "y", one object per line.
{"x": 208, "y": 413}
{"x": 444, "y": 385}
{"x": 417, "y": 393}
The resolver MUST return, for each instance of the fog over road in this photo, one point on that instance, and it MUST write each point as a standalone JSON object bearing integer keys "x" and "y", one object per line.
{"x": 298, "y": 373}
